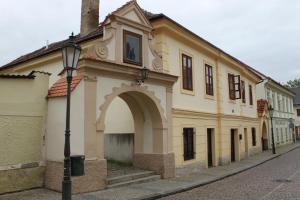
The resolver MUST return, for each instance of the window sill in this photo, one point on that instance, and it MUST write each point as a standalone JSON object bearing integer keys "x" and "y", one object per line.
{"x": 188, "y": 162}
{"x": 210, "y": 97}
{"x": 232, "y": 101}
{"x": 188, "y": 92}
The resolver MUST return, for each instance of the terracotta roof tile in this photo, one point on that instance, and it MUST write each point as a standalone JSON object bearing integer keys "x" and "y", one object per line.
{"x": 59, "y": 89}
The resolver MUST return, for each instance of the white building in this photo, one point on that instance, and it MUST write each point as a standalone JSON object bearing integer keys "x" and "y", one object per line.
{"x": 297, "y": 111}
{"x": 281, "y": 99}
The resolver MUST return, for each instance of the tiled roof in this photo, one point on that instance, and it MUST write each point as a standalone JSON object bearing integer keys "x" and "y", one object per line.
{"x": 53, "y": 48}
{"x": 17, "y": 76}
{"x": 59, "y": 89}
{"x": 261, "y": 105}
{"x": 297, "y": 97}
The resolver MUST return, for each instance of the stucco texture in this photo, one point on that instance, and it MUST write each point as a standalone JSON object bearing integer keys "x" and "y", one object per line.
{"x": 23, "y": 108}
{"x": 21, "y": 139}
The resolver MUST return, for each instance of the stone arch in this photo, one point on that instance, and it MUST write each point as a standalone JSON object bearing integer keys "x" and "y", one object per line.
{"x": 150, "y": 123}
{"x": 264, "y": 136}
{"x": 124, "y": 92}
{"x": 264, "y": 130}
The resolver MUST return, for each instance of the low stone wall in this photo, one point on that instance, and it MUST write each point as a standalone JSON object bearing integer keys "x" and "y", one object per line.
{"x": 163, "y": 164}
{"x": 21, "y": 179}
{"x": 93, "y": 180}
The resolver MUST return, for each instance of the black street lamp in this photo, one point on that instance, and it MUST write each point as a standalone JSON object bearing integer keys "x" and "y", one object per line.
{"x": 271, "y": 112}
{"x": 70, "y": 53}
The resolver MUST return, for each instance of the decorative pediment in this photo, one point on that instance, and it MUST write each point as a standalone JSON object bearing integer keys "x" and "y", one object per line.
{"x": 132, "y": 12}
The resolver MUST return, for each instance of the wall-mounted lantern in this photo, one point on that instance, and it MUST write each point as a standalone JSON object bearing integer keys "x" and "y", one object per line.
{"x": 144, "y": 74}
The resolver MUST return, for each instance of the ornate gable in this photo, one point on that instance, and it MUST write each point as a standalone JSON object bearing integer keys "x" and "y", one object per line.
{"x": 127, "y": 20}
{"x": 130, "y": 11}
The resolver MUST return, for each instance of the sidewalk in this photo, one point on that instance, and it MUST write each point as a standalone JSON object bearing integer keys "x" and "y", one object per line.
{"x": 160, "y": 188}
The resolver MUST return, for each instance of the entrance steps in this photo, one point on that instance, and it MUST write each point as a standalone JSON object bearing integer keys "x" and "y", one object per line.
{"x": 132, "y": 178}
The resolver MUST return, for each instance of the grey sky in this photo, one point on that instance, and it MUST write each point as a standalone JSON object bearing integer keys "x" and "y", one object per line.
{"x": 264, "y": 34}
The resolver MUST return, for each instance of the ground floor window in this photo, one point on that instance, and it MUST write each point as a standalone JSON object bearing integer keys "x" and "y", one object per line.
{"x": 277, "y": 135}
{"x": 281, "y": 131}
{"x": 188, "y": 143}
{"x": 253, "y": 130}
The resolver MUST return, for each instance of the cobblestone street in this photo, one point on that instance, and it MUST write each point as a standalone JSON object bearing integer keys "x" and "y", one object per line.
{"x": 278, "y": 178}
{"x": 274, "y": 180}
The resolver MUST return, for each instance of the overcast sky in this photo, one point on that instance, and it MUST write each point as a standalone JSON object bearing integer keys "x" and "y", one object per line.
{"x": 264, "y": 34}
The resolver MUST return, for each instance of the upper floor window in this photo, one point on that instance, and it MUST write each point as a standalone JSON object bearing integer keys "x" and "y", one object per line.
{"x": 298, "y": 112}
{"x": 243, "y": 88}
{"x": 187, "y": 72}
{"x": 209, "y": 80}
{"x": 250, "y": 95}
{"x": 132, "y": 48}
{"x": 234, "y": 85}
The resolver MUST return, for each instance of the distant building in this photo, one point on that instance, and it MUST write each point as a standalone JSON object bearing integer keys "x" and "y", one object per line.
{"x": 297, "y": 111}
{"x": 281, "y": 99}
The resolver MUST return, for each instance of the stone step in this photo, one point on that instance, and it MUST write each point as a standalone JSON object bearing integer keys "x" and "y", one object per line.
{"x": 129, "y": 177}
{"x": 134, "y": 181}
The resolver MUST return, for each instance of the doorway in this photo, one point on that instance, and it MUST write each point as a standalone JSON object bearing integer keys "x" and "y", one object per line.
{"x": 246, "y": 142}
{"x": 233, "y": 147}
{"x": 210, "y": 147}
{"x": 264, "y": 138}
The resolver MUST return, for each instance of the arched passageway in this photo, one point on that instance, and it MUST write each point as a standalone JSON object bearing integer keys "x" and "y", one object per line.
{"x": 150, "y": 146}
{"x": 264, "y": 137}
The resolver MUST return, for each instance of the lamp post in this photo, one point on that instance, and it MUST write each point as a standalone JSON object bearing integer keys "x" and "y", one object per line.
{"x": 271, "y": 112}
{"x": 70, "y": 53}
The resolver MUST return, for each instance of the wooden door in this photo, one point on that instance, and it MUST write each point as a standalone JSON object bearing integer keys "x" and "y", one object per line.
{"x": 232, "y": 145}
{"x": 209, "y": 148}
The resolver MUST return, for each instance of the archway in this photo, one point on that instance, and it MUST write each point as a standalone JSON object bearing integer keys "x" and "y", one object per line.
{"x": 150, "y": 151}
{"x": 264, "y": 137}
{"x": 119, "y": 138}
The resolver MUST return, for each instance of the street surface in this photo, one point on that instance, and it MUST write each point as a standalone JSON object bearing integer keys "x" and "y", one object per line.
{"x": 278, "y": 179}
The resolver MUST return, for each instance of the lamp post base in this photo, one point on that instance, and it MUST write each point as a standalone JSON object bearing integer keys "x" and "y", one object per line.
{"x": 66, "y": 190}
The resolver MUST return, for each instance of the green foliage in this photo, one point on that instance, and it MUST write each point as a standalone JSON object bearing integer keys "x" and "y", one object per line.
{"x": 293, "y": 83}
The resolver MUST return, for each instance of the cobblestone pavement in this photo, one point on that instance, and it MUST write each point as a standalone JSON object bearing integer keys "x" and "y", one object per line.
{"x": 255, "y": 183}
{"x": 278, "y": 179}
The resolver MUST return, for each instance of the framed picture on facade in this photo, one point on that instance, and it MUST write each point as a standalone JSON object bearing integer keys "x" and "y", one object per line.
{"x": 132, "y": 48}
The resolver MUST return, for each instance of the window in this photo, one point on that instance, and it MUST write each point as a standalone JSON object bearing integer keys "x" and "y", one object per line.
{"x": 298, "y": 112}
{"x": 231, "y": 86}
{"x": 277, "y": 135}
{"x": 273, "y": 100}
{"x": 243, "y": 91}
{"x": 209, "y": 80}
{"x": 188, "y": 142}
{"x": 132, "y": 48}
{"x": 250, "y": 95}
{"x": 187, "y": 72}
{"x": 253, "y": 136}
{"x": 234, "y": 85}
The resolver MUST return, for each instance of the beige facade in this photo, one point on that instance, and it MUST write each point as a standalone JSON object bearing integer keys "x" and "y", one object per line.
{"x": 23, "y": 109}
{"x": 196, "y": 109}
{"x": 156, "y": 111}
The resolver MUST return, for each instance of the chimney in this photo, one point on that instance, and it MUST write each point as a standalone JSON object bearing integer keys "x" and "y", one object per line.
{"x": 89, "y": 16}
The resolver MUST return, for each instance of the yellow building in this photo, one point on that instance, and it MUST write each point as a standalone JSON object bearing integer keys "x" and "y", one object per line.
{"x": 197, "y": 108}
{"x": 23, "y": 110}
